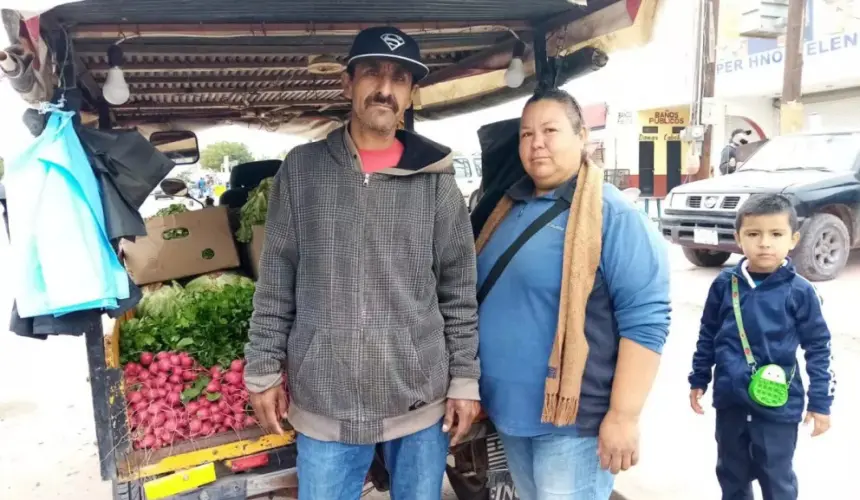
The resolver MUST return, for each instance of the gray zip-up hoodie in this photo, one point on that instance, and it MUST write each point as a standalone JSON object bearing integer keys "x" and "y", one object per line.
{"x": 366, "y": 292}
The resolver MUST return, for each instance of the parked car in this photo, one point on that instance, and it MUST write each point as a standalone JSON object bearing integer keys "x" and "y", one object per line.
{"x": 467, "y": 171}
{"x": 819, "y": 173}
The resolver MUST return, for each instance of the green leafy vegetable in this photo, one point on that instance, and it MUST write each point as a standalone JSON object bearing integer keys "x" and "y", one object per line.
{"x": 184, "y": 343}
{"x": 175, "y": 233}
{"x": 210, "y": 323}
{"x": 164, "y": 302}
{"x": 174, "y": 208}
{"x": 253, "y": 212}
{"x": 195, "y": 390}
{"x": 213, "y": 396}
{"x": 217, "y": 280}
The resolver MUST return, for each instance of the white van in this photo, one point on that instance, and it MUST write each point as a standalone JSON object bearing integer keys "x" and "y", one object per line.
{"x": 467, "y": 171}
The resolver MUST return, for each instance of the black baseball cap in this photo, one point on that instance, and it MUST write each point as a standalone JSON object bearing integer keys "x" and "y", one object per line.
{"x": 388, "y": 43}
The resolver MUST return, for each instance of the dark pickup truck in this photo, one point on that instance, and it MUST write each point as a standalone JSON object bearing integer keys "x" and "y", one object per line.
{"x": 820, "y": 173}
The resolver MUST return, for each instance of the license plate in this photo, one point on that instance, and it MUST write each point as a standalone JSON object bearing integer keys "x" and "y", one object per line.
{"x": 706, "y": 237}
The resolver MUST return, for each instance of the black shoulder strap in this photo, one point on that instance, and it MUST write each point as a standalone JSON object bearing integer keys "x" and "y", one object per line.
{"x": 545, "y": 218}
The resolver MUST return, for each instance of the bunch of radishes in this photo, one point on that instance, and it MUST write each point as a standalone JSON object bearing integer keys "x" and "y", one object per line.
{"x": 172, "y": 398}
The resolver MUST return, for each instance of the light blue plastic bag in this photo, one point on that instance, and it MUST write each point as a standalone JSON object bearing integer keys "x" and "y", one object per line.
{"x": 62, "y": 260}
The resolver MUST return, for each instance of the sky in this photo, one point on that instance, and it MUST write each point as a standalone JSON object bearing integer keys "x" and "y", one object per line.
{"x": 13, "y": 135}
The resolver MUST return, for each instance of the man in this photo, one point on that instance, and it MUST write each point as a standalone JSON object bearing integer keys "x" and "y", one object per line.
{"x": 366, "y": 292}
{"x": 728, "y": 157}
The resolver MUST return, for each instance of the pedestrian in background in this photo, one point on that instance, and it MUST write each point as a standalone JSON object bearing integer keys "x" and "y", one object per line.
{"x": 729, "y": 155}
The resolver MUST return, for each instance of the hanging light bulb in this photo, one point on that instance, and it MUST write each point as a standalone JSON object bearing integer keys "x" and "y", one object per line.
{"x": 516, "y": 74}
{"x": 115, "y": 88}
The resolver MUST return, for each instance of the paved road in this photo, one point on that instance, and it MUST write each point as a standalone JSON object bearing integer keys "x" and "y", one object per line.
{"x": 679, "y": 452}
{"x": 47, "y": 446}
{"x": 47, "y": 440}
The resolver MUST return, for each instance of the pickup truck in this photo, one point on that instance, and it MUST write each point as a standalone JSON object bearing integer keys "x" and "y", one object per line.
{"x": 467, "y": 171}
{"x": 819, "y": 173}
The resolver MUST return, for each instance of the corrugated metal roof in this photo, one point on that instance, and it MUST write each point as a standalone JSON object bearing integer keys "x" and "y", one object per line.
{"x": 237, "y": 84}
{"x": 322, "y": 11}
{"x": 177, "y": 63}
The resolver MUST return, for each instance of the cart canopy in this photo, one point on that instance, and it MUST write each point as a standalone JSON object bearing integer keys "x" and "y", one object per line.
{"x": 277, "y": 63}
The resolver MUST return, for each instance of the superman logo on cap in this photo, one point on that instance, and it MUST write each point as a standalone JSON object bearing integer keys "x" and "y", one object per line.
{"x": 393, "y": 41}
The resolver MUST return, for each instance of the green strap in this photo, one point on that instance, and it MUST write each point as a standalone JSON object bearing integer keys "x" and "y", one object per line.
{"x": 745, "y": 343}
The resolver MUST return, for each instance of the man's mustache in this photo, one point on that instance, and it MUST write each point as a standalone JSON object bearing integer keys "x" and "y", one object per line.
{"x": 385, "y": 100}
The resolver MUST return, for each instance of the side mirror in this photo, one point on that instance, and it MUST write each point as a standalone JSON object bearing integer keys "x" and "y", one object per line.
{"x": 178, "y": 145}
{"x": 174, "y": 187}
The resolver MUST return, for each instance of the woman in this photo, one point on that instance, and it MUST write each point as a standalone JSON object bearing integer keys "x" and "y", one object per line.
{"x": 572, "y": 329}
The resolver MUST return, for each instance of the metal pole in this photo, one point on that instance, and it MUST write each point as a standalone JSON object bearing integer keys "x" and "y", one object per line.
{"x": 791, "y": 108}
{"x": 709, "y": 61}
{"x": 696, "y": 103}
{"x": 409, "y": 119}
{"x": 543, "y": 70}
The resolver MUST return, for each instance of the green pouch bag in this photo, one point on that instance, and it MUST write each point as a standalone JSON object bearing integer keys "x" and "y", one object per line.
{"x": 769, "y": 384}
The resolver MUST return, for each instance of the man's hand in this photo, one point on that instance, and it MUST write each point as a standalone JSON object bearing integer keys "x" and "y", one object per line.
{"x": 618, "y": 442}
{"x": 461, "y": 412}
{"x": 270, "y": 408}
{"x": 695, "y": 396}
{"x": 822, "y": 423}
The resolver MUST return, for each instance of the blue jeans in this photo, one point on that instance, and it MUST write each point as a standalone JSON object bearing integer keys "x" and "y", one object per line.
{"x": 557, "y": 467}
{"x": 337, "y": 471}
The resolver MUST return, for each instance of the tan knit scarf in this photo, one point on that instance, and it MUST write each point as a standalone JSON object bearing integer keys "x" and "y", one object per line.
{"x": 582, "y": 247}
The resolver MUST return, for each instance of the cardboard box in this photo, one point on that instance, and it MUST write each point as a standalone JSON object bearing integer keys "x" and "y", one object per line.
{"x": 202, "y": 242}
{"x": 255, "y": 249}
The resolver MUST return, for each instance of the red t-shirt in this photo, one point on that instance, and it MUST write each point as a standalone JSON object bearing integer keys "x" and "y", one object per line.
{"x": 374, "y": 160}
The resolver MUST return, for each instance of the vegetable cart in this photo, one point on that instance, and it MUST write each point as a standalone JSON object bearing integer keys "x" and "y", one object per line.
{"x": 163, "y": 66}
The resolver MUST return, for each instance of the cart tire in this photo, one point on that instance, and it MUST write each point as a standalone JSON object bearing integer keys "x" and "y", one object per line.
{"x": 473, "y": 199}
{"x": 128, "y": 491}
{"x": 466, "y": 487}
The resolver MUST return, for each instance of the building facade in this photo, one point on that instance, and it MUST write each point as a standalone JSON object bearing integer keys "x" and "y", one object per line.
{"x": 648, "y": 90}
{"x": 750, "y": 71}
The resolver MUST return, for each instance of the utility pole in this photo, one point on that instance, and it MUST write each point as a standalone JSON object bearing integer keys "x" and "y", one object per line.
{"x": 791, "y": 109}
{"x": 708, "y": 57}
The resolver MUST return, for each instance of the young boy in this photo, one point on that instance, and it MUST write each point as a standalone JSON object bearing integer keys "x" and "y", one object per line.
{"x": 757, "y": 394}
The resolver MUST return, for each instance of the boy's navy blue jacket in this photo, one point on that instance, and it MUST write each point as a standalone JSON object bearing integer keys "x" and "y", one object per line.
{"x": 780, "y": 314}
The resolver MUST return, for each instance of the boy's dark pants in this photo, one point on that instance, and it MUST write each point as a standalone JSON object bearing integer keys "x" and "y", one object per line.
{"x": 750, "y": 448}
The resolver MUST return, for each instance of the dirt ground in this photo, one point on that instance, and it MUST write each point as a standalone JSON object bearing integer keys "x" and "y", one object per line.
{"x": 47, "y": 441}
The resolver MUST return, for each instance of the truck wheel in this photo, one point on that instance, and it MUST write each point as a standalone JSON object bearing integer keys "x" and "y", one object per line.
{"x": 823, "y": 248}
{"x": 473, "y": 200}
{"x": 128, "y": 491}
{"x": 706, "y": 258}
